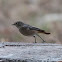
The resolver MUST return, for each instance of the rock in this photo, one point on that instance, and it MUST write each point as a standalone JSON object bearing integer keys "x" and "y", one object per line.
{"x": 31, "y": 52}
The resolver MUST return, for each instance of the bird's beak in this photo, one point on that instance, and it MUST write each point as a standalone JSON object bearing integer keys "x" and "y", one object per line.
{"x": 13, "y": 24}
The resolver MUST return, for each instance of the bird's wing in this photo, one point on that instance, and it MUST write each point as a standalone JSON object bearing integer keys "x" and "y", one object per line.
{"x": 32, "y": 28}
{"x": 28, "y": 27}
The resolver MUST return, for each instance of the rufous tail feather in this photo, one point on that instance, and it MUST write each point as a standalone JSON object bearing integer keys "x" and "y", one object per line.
{"x": 42, "y": 31}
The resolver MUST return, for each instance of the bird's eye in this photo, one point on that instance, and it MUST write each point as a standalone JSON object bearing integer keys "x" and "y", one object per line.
{"x": 16, "y": 23}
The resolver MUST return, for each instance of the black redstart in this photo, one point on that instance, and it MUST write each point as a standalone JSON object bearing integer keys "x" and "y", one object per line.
{"x": 28, "y": 30}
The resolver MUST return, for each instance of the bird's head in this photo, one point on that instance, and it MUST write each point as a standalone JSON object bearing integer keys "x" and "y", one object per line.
{"x": 18, "y": 24}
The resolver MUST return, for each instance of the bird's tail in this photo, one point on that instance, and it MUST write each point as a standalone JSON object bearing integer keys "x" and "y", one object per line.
{"x": 42, "y": 31}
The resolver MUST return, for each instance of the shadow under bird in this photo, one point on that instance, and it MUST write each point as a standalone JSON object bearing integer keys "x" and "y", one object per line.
{"x": 28, "y": 30}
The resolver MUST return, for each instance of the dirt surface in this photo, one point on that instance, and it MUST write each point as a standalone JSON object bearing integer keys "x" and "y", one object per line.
{"x": 30, "y": 52}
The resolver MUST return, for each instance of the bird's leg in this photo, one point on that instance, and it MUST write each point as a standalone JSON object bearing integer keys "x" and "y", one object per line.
{"x": 35, "y": 38}
{"x": 41, "y": 38}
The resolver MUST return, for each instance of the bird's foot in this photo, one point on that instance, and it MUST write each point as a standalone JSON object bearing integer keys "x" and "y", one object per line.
{"x": 35, "y": 42}
{"x": 43, "y": 41}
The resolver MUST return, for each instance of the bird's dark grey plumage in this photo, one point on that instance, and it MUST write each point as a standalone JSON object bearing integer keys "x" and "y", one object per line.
{"x": 28, "y": 30}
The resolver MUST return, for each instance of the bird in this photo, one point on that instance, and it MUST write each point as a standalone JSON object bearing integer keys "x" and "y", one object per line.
{"x": 28, "y": 30}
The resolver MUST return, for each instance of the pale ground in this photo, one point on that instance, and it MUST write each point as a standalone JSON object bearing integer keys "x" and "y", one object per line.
{"x": 31, "y": 52}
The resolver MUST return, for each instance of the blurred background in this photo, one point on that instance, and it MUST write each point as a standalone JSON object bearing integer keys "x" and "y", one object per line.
{"x": 45, "y": 14}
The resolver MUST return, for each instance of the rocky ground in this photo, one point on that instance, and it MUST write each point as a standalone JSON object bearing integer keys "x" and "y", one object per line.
{"x": 30, "y": 52}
